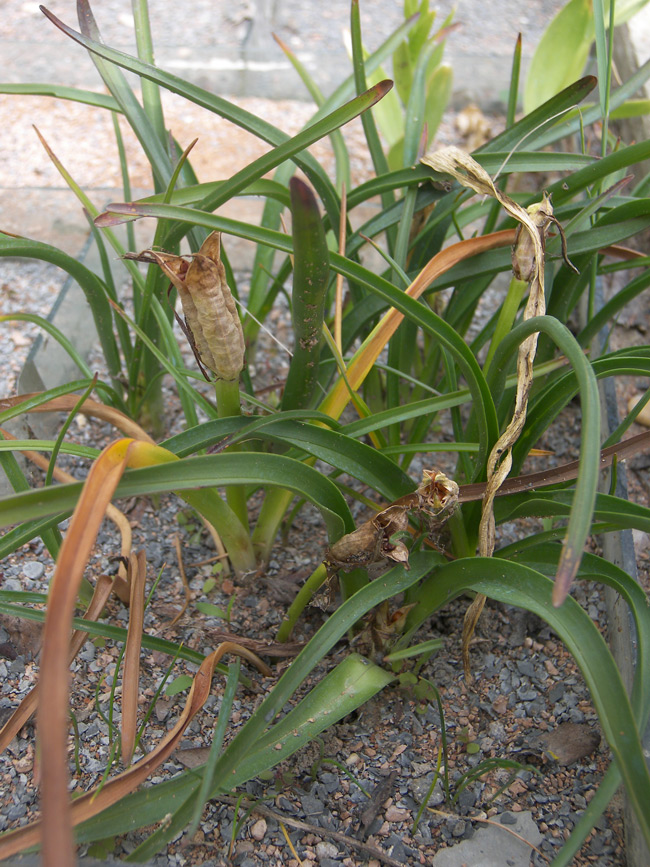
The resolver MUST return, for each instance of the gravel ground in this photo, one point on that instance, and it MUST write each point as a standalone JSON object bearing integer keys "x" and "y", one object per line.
{"x": 526, "y": 685}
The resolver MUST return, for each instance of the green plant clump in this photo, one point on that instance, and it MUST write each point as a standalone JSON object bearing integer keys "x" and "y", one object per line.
{"x": 391, "y": 346}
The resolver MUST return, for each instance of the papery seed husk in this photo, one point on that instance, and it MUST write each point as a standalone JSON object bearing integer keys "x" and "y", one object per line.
{"x": 358, "y": 548}
{"x": 208, "y": 305}
{"x": 211, "y": 313}
{"x": 437, "y": 493}
{"x": 524, "y": 251}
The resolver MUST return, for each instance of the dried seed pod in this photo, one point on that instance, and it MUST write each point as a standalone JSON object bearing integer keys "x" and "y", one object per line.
{"x": 393, "y": 519}
{"x": 437, "y": 495}
{"x": 376, "y": 539}
{"x": 359, "y": 548}
{"x": 372, "y": 542}
{"x": 389, "y": 522}
{"x": 208, "y": 305}
{"x": 210, "y": 312}
{"x": 524, "y": 251}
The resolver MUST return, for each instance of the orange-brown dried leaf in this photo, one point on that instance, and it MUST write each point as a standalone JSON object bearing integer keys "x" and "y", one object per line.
{"x": 114, "y": 790}
{"x": 52, "y": 715}
{"x": 131, "y": 677}
{"x": 67, "y": 402}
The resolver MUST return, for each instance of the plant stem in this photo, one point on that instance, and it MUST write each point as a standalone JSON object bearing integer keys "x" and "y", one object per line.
{"x": 228, "y": 405}
{"x": 234, "y": 535}
{"x": 301, "y": 601}
{"x": 276, "y": 502}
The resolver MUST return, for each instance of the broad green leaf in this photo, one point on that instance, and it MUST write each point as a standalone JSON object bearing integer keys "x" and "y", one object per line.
{"x": 411, "y": 308}
{"x": 152, "y": 804}
{"x": 284, "y": 146}
{"x": 341, "y": 450}
{"x": 115, "y": 81}
{"x": 631, "y": 108}
{"x": 530, "y": 128}
{"x": 60, "y": 91}
{"x": 618, "y": 513}
{"x": 189, "y": 474}
{"x": 14, "y": 603}
{"x": 586, "y": 485}
{"x": 353, "y": 682}
{"x": 518, "y": 585}
{"x": 438, "y": 95}
{"x": 561, "y": 54}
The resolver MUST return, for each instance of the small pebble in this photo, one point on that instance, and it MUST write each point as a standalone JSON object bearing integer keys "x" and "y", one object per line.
{"x": 458, "y": 828}
{"x": 33, "y": 569}
{"x": 325, "y": 849}
{"x": 394, "y": 814}
{"x": 258, "y": 830}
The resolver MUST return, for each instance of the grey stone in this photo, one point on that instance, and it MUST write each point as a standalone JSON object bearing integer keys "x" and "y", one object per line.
{"x": 325, "y": 849}
{"x": 535, "y": 707}
{"x": 16, "y": 811}
{"x": 458, "y": 828}
{"x": 597, "y": 844}
{"x": 398, "y": 850}
{"x": 420, "y": 786}
{"x": 331, "y": 782}
{"x": 467, "y": 799}
{"x": 33, "y": 569}
{"x": 313, "y": 807}
{"x": 526, "y": 667}
{"x": 491, "y": 846}
{"x": 508, "y": 819}
{"x": 88, "y": 653}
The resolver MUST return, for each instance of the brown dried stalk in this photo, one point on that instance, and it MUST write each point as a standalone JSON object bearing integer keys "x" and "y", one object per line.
{"x": 131, "y": 675}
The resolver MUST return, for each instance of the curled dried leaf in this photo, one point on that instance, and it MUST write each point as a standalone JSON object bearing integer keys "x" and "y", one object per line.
{"x": 524, "y": 251}
{"x": 460, "y": 165}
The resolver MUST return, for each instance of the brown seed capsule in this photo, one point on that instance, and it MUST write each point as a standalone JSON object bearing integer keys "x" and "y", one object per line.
{"x": 437, "y": 495}
{"x": 359, "y": 548}
{"x": 524, "y": 251}
{"x": 208, "y": 305}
